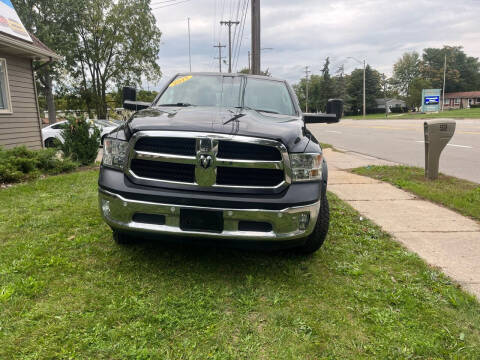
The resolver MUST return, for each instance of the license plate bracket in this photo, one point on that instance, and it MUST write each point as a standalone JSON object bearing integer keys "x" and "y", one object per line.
{"x": 201, "y": 220}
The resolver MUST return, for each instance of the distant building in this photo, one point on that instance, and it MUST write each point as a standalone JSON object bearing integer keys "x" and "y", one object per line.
{"x": 391, "y": 103}
{"x": 461, "y": 100}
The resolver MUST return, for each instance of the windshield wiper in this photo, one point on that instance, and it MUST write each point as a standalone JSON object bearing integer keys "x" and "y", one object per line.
{"x": 257, "y": 110}
{"x": 235, "y": 117}
{"x": 181, "y": 104}
{"x": 267, "y": 111}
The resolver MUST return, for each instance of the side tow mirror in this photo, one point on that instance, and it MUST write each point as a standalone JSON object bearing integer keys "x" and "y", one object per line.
{"x": 333, "y": 115}
{"x": 130, "y": 100}
{"x": 335, "y": 106}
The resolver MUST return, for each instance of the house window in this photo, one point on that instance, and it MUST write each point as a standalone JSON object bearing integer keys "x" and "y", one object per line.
{"x": 457, "y": 101}
{"x": 5, "y": 103}
{"x": 446, "y": 101}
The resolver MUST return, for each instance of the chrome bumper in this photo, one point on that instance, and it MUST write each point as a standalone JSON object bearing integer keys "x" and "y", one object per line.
{"x": 286, "y": 224}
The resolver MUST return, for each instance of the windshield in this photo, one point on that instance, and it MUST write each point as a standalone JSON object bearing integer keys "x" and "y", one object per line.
{"x": 227, "y": 91}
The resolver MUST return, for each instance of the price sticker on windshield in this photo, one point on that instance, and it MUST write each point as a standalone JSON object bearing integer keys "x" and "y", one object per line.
{"x": 180, "y": 80}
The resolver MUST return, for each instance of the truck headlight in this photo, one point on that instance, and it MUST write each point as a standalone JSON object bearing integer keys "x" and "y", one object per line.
{"x": 115, "y": 153}
{"x": 306, "y": 167}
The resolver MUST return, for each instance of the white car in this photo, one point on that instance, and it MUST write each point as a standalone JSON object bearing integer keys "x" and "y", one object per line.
{"x": 52, "y": 132}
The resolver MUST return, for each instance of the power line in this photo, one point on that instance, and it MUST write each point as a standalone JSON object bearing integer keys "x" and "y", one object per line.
{"x": 239, "y": 46}
{"x": 236, "y": 19}
{"x": 162, "y": 2}
{"x": 176, "y": 3}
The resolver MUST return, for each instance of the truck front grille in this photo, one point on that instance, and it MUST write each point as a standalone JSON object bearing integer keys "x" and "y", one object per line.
{"x": 198, "y": 159}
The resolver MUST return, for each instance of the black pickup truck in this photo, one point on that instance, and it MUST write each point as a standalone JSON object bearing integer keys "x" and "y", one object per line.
{"x": 224, "y": 156}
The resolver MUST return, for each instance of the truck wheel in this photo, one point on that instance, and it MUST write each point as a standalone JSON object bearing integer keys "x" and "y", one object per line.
{"x": 50, "y": 143}
{"x": 121, "y": 238}
{"x": 317, "y": 237}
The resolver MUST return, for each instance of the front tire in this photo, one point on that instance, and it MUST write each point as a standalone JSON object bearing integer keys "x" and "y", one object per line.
{"x": 122, "y": 238}
{"x": 50, "y": 143}
{"x": 316, "y": 239}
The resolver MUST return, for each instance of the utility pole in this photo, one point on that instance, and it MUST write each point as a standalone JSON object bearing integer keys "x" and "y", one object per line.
{"x": 384, "y": 78}
{"x": 444, "y": 75}
{"x": 189, "y": 52}
{"x": 306, "y": 88}
{"x": 364, "y": 101}
{"x": 249, "y": 58}
{"x": 255, "y": 37}
{"x": 229, "y": 23}
{"x": 220, "y": 57}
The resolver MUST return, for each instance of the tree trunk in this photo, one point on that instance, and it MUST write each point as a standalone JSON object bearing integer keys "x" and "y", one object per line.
{"x": 50, "y": 100}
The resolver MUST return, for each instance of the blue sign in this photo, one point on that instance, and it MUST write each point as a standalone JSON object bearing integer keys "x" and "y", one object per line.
{"x": 432, "y": 100}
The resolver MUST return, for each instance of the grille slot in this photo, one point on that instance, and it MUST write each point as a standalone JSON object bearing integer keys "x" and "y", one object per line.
{"x": 246, "y": 151}
{"x": 167, "y": 145}
{"x": 254, "y": 226}
{"x": 248, "y": 176}
{"x": 149, "y": 218}
{"x": 163, "y": 170}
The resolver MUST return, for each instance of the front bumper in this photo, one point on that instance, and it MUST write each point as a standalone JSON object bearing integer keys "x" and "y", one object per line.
{"x": 286, "y": 224}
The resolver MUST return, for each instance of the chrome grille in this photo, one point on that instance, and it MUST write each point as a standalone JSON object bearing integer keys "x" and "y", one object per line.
{"x": 208, "y": 160}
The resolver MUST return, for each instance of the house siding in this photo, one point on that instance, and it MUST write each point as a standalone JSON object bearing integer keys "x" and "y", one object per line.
{"x": 22, "y": 126}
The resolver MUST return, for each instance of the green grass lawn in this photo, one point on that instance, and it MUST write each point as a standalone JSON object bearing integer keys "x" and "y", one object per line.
{"x": 457, "y": 194}
{"x": 68, "y": 292}
{"x": 461, "y": 113}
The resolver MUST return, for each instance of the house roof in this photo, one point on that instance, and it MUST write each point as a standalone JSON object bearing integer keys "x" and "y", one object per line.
{"x": 463, "y": 95}
{"x": 35, "y": 50}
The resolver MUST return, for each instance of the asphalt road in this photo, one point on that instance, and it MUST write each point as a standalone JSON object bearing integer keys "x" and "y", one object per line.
{"x": 402, "y": 141}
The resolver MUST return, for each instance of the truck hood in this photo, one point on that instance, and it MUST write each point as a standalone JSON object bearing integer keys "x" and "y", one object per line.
{"x": 286, "y": 129}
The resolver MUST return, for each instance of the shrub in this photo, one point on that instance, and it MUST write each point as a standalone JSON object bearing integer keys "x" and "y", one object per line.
{"x": 81, "y": 141}
{"x": 19, "y": 164}
{"x": 475, "y": 106}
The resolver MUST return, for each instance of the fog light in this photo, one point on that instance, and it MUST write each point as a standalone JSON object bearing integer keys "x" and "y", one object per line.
{"x": 303, "y": 220}
{"x": 106, "y": 207}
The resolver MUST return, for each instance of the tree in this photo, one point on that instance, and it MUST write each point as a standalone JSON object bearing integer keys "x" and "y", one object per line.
{"x": 321, "y": 88}
{"x": 326, "y": 89}
{"x": 405, "y": 70}
{"x": 247, "y": 71}
{"x": 414, "y": 98}
{"x": 462, "y": 72}
{"x": 355, "y": 90}
{"x": 50, "y": 21}
{"x": 340, "y": 83}
{"x": 118, "y": 42}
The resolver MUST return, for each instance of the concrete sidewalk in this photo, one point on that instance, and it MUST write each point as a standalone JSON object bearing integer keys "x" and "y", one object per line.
{"x": 440, "y": 236}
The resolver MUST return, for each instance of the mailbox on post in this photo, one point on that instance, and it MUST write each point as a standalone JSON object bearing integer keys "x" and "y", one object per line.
{"x": 437, "y": 135}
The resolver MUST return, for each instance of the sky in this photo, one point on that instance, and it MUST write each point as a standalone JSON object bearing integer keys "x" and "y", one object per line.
{"x": 304, "y": 32}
